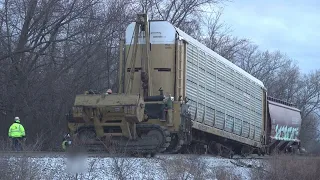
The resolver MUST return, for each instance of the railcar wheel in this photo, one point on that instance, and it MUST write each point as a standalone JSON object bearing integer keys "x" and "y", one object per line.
{"x": 175, "y": 144}
{"x": 246, "y": 151}
{"x": 214, "y": 148}
{"x": 259, "y": 152}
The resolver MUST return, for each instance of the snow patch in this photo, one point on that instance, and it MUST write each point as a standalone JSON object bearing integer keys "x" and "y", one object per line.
{"x": 160, "y": 167}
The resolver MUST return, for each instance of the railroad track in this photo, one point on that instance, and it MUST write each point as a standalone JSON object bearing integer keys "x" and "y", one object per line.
{"x": 55, "y": 154}
{"x": 92, "y": 154}
{"x": 51, "y": 154}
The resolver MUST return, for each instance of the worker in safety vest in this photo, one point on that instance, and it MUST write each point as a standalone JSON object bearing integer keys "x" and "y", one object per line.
{"x": 66, "y": 142}
{"x": 168, "y": 102}
{"x": 17, "y": 134}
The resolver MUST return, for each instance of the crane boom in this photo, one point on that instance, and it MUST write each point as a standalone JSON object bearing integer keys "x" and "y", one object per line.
{"x": 141, "y": 29}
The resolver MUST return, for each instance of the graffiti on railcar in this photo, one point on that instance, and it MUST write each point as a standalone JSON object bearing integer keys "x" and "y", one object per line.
{"x": 286, "y": 133}
{"x": 285, "y": 122}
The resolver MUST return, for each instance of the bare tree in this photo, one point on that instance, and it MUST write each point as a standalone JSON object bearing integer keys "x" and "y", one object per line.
{"x": 309, "y": 133}
{"x": 51, "y": 50}
{"x": 309, "y": 92}
{"x": 218, "y": 38}
{"x": 184, "y": 14}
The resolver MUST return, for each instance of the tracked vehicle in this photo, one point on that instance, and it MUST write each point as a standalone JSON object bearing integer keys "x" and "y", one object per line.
{"x": 99, "y": 121}
{"x": 217, "y": 107}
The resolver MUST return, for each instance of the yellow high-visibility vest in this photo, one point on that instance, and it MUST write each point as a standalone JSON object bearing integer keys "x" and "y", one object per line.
{"x": 16, "y": 130}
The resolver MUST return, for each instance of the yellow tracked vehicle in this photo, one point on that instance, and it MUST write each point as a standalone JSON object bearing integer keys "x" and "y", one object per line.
{"x": 125, "y": 120}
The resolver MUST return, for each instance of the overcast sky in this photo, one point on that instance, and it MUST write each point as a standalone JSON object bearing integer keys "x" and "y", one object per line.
{"x": 291, "y": 26}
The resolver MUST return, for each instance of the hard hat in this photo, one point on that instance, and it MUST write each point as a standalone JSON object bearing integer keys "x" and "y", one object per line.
{"x": 67, "y": 136}
{"x": 17, "y": 119}
{"x": 109, "y": 91}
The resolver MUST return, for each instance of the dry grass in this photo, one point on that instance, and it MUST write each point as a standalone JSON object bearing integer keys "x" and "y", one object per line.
{"x": 288, "y": 168}
{"x": 35, "y": 145}
{"x": 18, "y": 168}
{"x": 177, "y": 167}
{"x": 226, "y": 174}
{"x": 25, "y": 168}
{"x": 5, "y": 144}
{"x": 122, "y": 168}
{"x": 194, "y": 167}
{"x": 183, "y": 168}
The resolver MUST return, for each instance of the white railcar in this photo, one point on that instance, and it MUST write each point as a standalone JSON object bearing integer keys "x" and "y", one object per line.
{"x": 222, "y": 95}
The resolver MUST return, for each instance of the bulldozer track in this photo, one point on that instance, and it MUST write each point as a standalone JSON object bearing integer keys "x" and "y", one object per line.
{"x": 153, "y": 139}
{"x": 175, "y": 146}
{"x": 147, "y": 143}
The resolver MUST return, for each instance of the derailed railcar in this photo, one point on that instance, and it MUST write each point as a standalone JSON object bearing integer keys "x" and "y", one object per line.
{"x": 283, "y": 126}
{"x": 224, "y": 100}
{"x": 229, "y": 107}
{"x": 233, "y": 107}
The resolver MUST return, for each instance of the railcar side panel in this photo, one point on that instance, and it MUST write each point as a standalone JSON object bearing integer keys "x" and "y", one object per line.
{"x": 223, "y": 98}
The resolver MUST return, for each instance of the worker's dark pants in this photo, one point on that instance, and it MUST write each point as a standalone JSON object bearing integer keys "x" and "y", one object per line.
{"x": 16, "y": 144}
